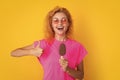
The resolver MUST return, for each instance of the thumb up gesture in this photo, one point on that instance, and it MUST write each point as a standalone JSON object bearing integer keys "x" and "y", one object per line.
{"x": 37, "y": 51}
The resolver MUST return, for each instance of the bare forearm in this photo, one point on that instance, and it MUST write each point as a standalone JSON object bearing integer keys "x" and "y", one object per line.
{"x": 74, "y": 73}
{"x": 20, "y": 52}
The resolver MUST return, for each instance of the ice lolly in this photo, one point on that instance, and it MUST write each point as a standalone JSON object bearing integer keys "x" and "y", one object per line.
{"x": 62, "y": 50}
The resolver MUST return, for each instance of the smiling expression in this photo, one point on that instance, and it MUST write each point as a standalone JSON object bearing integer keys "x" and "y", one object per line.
{"x": 60, "y": 23}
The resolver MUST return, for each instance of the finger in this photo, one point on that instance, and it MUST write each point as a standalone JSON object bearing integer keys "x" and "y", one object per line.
{"x": 61, "y": 57}
{"x": 41, "y": 50}
{"x": 38, "y": 45}
{"x": 60, "y": 61}
{"x": 64, "y": 63}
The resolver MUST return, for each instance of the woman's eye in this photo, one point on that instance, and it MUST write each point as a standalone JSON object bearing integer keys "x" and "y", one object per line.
{"x": 64, "y": 21}
{"x": 55, "y": 21}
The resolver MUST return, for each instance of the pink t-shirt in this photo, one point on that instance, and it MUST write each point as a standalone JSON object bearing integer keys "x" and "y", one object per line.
{"x": 75, "y": 53}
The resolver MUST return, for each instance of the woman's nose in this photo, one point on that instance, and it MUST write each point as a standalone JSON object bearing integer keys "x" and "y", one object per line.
{"x": 60, "y": 22}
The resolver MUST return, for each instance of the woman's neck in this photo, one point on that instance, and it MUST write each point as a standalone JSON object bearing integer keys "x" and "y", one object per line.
{"x": 60, "y": 37}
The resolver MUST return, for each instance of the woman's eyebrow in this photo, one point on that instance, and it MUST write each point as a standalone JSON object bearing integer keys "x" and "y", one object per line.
{"x": 58, "y": 18}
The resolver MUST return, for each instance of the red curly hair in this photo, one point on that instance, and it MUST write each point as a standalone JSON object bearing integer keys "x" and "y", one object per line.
{"x": 49, "y": 33}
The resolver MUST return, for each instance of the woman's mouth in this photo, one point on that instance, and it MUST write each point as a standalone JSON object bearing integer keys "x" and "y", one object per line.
{"x": 60, "y": 28}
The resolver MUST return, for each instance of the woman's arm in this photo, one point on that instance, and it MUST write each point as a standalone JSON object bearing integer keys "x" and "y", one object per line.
{"x": 27, "y": 50}
{"x": 78, "y": 74}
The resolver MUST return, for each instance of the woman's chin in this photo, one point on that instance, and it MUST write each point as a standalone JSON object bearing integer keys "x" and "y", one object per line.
{"x": 61, "y": 33}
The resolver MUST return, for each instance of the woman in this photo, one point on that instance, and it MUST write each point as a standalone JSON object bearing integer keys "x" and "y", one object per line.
{"x": 70, "y": 65}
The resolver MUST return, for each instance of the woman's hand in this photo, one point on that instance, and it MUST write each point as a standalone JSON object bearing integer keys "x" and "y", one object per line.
{"x": 63, "y": 63}
{"x": 37, "y": 51}
{"x": 27, "y": 50}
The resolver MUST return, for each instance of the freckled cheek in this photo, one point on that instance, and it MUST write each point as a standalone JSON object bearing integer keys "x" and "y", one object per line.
{"x": 54, "y": 25}
{"x": 66, "y": 25}
{"x": 54, "y": 28}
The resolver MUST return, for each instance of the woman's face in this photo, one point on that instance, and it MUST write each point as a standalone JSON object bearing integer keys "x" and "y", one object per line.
{"x": 60, "y": 23}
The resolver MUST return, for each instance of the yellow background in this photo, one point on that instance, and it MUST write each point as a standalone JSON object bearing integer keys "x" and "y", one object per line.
{"x": 96, "y": 26}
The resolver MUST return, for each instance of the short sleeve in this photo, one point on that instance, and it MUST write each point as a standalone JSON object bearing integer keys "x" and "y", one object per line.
{"x": 81, "y": 51}
{"x": 42, "y": 44}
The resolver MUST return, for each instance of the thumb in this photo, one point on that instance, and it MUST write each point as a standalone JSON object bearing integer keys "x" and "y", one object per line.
{"x": 38, "y": 45}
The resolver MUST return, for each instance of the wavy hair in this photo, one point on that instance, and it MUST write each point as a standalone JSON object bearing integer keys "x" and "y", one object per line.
{"x": 49, "y": 33}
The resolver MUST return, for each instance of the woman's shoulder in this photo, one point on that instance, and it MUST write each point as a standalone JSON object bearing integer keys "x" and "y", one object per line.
{"x": 42, "y": 42}
{"x": 45, "y": 41}
{"x": 75, "y": 44}
{"x": 78, "y": 45}
{"x": 73, "y": 41}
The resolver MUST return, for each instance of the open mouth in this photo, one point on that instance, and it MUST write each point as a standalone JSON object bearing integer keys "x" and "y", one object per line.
{"x": 60, "y": 28}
